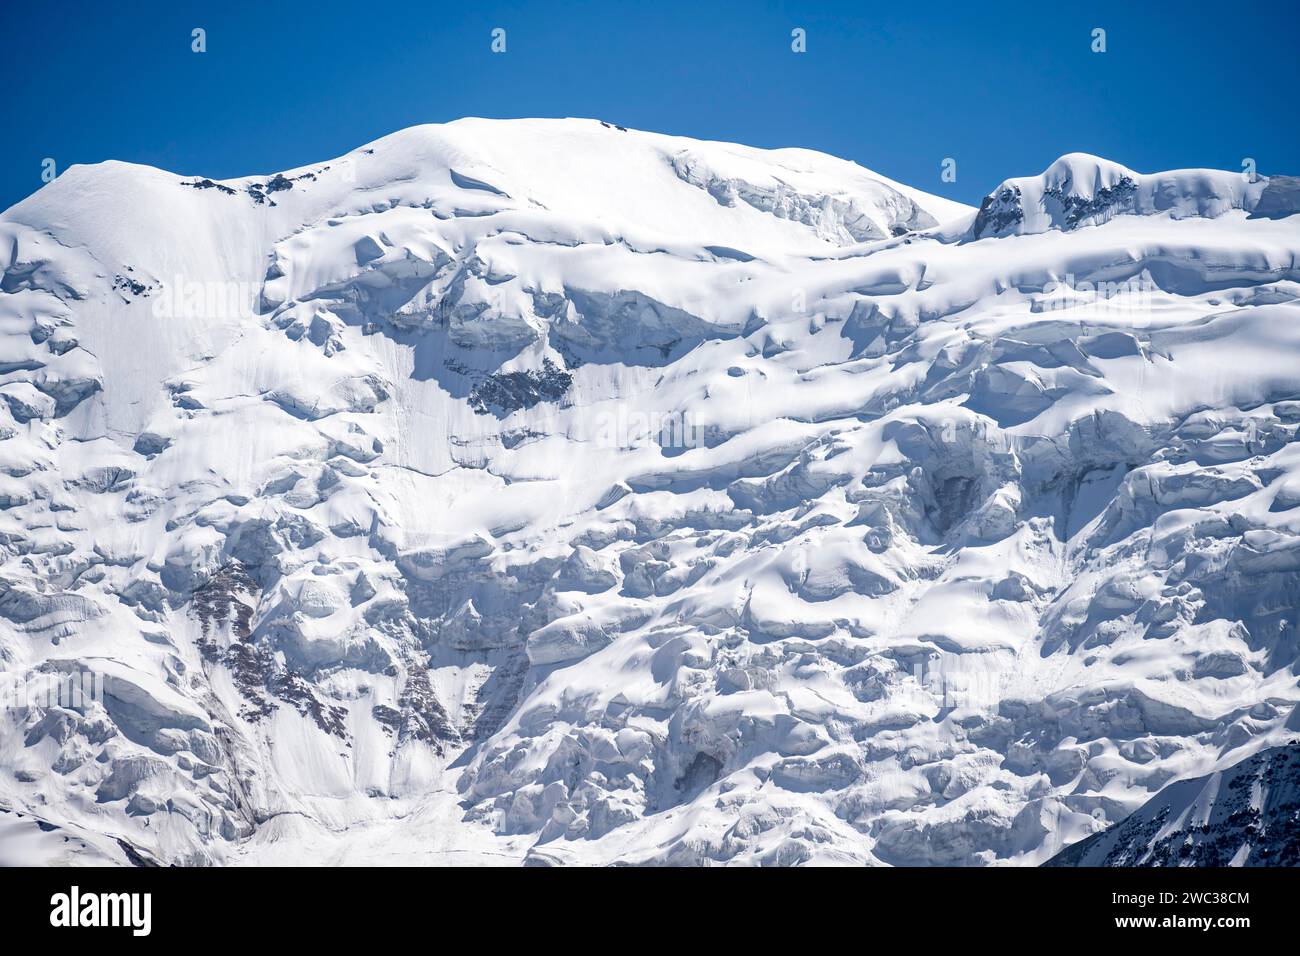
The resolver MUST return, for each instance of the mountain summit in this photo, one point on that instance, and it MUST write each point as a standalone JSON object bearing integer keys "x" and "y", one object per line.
{"x": 1079, "y": 190}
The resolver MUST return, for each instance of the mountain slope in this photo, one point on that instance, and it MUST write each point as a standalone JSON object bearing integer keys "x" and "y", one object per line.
{"x": 544, "y": 491}
{"x": 1246, "y": 815}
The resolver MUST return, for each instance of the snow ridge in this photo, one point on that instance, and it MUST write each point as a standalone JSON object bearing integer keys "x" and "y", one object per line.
{"x": 1079, "y": 190}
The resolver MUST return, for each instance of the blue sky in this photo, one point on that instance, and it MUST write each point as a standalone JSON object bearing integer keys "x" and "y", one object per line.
{"x": 1003, "y": 88}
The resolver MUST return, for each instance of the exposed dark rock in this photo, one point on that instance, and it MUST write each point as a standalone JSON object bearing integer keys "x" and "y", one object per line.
{"x": 1254, "y": 820}
{"x": 506, "y": 392}
{"x": 294, "y": 689}
{"x": 1107, "y": 199}
{"x": 998, "y": 211}
{"x": 209, "y": 184}
{"x": 216, "y": 601}
{"x": 422, "y": 716}
{"x": 126, "y": 284}
{"x": 135, "y": 856}
{"x": 1281, "y": 198}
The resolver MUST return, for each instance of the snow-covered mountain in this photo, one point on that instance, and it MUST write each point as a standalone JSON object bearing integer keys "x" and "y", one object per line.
{"x": 545, "y": 491}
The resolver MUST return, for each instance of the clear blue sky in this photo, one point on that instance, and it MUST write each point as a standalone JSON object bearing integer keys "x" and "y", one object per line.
{"x": 1004, "y": 88}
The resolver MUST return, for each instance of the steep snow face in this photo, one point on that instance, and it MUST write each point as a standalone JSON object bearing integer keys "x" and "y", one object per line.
{"x": 546, "y": 491}
{"x": 1245, "y": 815}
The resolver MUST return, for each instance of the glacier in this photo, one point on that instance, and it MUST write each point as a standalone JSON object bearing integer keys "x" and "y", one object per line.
{"x": 547, "y": 492}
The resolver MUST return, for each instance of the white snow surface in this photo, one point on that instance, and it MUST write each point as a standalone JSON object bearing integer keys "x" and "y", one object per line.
{"x": 542, "y": 491}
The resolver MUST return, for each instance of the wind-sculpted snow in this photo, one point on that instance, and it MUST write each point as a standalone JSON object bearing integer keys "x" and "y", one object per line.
{"x": 543, "y": 491}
